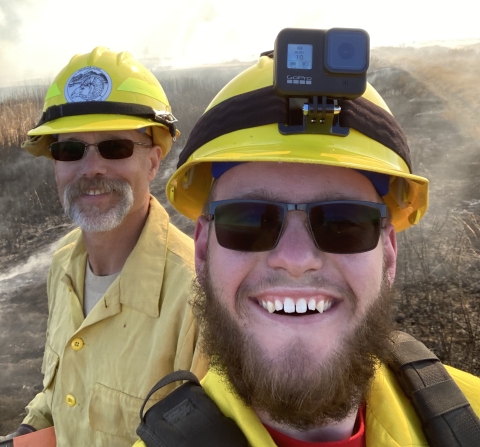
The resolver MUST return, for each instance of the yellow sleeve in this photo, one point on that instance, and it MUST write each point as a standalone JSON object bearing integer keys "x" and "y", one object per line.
{"x": 39, "y": 414}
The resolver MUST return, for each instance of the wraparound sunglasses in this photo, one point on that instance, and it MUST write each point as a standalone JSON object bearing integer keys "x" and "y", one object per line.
{"x": 341, "y": 227}
{"x": 71, "y": 150}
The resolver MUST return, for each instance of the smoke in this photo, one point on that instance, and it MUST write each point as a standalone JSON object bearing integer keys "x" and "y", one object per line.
{"x": 38, "y": 38}
{"x": 15, "y": 16}
{"x": 32, "y": 271}
{"x": 10, "y": 21}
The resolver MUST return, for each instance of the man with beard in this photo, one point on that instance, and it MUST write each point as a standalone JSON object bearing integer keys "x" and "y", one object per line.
{"x": 118, "y": 285}
{"x": 295, "y": 251}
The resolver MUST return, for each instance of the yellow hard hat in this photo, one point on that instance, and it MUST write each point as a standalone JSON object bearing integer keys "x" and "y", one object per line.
{"x": 241, "y": 124}
{"x": 101, "y": 91}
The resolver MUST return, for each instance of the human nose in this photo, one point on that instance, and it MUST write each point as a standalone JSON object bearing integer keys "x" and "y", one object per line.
{"x": 296, "y": 251}
{"x": 92, "y": 162}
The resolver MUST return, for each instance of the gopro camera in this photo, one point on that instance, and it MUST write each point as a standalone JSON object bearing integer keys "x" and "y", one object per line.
{"x": 331, "y": 63}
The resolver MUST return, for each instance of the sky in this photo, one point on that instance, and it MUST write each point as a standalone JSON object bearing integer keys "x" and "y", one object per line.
{"x": 38, "y": 37}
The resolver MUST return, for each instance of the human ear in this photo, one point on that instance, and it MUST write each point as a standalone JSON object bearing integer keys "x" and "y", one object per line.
{"x": 200, "y": 240}
{"x": 154, "y": 156}
{"x": 389, "y": 238}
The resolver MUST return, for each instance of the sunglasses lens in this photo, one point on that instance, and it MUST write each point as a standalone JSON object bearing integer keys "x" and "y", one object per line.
{"x": 116, "y": 149}
{"x": 67, "y": 150}
{"x": 248, "y": 226}
{"x": 345, "y": 228}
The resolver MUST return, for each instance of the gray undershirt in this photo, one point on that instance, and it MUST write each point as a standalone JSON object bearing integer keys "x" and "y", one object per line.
{"x": 95, "y": 288}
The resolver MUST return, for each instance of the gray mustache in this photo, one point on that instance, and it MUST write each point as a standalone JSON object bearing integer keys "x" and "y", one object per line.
{"x": 82, "y": 186}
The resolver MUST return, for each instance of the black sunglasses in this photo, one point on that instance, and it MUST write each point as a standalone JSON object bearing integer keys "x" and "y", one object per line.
{"x": 110, "y": 149}
{"x": 341, "y": 227}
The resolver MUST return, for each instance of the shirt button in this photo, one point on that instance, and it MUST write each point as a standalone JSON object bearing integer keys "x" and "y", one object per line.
{"x": 71, "y": 400}
{"x": 77, "y": 344}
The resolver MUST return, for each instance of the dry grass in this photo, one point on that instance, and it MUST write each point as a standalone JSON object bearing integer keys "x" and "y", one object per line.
{"x": 19, "y": 114}
{"x": 439, "y": 284}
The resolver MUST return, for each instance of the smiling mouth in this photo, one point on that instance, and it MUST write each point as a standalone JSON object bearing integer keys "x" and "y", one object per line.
{"x": 301, "y": 306}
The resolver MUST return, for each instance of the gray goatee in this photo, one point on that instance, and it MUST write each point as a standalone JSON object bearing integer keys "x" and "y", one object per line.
{"x": 91, "y": 218}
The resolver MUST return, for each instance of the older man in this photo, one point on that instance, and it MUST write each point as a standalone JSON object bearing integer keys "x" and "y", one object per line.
{"x": 118, "y": 285}
{"x": 295, "y": 249}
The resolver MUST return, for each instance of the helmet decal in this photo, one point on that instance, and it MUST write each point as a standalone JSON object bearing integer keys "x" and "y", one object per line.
{"x": 88, "y": 84}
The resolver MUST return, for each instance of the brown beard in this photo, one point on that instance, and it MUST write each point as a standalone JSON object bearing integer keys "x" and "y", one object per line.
{"x": 301, "y": 393}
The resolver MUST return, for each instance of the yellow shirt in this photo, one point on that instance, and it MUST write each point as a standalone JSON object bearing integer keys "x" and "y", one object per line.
{"x": 390, "y": 420}
{"x": 98, "y": 369}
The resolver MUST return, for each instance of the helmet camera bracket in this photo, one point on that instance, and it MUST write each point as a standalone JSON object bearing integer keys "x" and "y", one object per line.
{"x": 318, "y": 117}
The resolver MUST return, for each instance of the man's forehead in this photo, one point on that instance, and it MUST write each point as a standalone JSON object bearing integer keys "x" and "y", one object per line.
{"x": 104, "y": 135}
{"x": 292, "y": 181}
{"x": 277, "y": 196}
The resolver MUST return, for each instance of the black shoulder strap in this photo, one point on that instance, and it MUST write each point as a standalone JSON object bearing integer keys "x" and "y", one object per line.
{"x": 447, "y": 418}
{"x": 187, "y": 417}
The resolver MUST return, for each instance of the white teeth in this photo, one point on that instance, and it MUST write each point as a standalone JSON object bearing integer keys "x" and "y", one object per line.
{"x": 288, "y": 306}
{"x": 95, "y": 192}
{"x": 320, "y": 306}
{"x": 301, "y": 306}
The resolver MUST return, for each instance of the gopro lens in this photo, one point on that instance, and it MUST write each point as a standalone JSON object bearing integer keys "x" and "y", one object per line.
{"x": 346, "y": 51}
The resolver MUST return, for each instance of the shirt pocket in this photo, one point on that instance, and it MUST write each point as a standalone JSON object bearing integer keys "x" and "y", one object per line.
{"x": 114, "y": 413}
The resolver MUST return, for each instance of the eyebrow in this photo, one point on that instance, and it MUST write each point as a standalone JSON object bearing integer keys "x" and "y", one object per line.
{"x": 266, "y": 194}
{"x": 107, "y": 136}
{"x": 72, "y": 139}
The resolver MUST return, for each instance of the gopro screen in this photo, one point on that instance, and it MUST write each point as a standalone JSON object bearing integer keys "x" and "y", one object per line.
{"x": 299, "y": 56}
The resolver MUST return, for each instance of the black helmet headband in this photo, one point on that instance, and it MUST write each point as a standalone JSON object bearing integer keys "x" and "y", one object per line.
{"x": 261, "y": 107}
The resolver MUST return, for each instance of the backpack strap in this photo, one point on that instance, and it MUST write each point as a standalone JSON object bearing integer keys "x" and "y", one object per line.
{"x": 447, "y": 418}
{"x": 187, "y": 417}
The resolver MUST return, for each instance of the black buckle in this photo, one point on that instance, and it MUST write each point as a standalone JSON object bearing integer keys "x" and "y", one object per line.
{"x": 316, "y": 118}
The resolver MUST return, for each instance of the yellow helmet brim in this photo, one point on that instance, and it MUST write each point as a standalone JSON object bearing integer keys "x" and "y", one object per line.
{"x": 94, "y": 123}
{"x": 189, "y": 186}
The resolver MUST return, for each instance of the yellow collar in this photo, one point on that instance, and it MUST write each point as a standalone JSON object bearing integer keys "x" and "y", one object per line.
{"x": 142, "y": 275}
{"x": 390, "y": 418}
{"x": 140, "y": 282}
